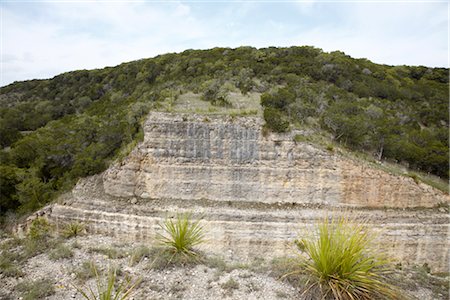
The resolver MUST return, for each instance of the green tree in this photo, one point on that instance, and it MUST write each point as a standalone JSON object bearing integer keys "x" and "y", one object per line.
{"x": 32, "y": 192}
{"x": 275, "y": 120}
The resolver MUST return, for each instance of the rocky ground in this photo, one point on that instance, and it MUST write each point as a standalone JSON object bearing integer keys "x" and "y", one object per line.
{"x": 54, "y": 271}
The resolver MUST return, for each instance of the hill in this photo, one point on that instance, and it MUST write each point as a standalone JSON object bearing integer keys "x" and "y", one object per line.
{"x": 255, "y": 194}
{"x": 55, "y": 131}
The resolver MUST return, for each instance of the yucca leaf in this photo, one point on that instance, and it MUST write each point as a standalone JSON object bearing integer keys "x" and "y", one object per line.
{"x": 340, "y": 261}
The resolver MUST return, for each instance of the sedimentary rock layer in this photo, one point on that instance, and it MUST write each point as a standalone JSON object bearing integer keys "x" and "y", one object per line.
{"x": 255, "y": 193}
{"x": 194, "y": 157}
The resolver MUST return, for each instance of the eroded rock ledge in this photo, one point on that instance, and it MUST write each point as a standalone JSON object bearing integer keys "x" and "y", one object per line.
{"x": 255, "y": 192}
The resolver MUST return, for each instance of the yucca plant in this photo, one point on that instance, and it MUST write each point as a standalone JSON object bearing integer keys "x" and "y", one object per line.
{"x": 181, "y": 234}
{"x": 73, "y": 229}
{"x": 340, "y": 263}
{"x": 110, "y": 289}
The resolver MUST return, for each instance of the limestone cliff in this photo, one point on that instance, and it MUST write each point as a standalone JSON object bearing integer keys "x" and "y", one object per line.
{"x": 255, "y": 192}
{"x": 190, "y": 157}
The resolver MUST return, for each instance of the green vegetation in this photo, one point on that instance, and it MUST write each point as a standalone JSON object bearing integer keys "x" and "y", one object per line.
{"x": 39, "y": 289}
{"x": 275, "y": 120}
{"x": 60, "y": 252}
{"x": 86, "y": 271}
{"x": 52, "y": 132}
{"x": 73, "y": 229}
{"x": 340, "y": 262}
{"x": 40, "y": 229}
{"x": 9, "y": 266}
{"x": 176, "y": 244}
{"x": 385, "y": 111}
{"x": 181, "y": 235}
{"x": 138, "y": 254}
{"x": 111, "y": 252}
{"x": 109, "y": 289}
{"x": 230, "y": 285}
{"x": 420, "y": 276}
{"x": 15, "y": 252}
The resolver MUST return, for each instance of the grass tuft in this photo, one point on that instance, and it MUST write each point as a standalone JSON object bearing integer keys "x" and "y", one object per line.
{"x": 60, "y": 252}
{"x": 230, "y": 284}
{"x": 39, "y": 289}
{"x": 85, "y": 271}
{"x": 109, "y": 289}
{"x": 163, "y": 258}
{"x": 73, "y": 229}
{"x": 111, "y": 252}
{"x": 138, "y": 254}
{"x": 181, "y": 235}
{"x": 340, "y": 262}
{"x": 9, "y": 266}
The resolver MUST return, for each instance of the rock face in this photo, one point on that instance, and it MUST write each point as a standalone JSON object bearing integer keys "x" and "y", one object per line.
{"x": 254, "y": 192}
{"x": 188, "y": 157}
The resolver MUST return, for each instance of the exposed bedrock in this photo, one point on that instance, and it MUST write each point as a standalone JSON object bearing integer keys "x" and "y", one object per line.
{"x": 190, "y": 157}
{"x": 256, "y": 193}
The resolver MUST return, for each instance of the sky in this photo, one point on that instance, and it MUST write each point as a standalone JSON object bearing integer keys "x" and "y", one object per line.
{"x": 40, "y": 39}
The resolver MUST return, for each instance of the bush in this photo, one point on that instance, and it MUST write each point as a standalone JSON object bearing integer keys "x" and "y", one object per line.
{"x": 60, "y": 252}
{"x": 40, "y": 229}
{"x": 341, "y": 263}
{"x": 73, "y": 229}
{"x": 33, "y": 247}
{"x": 214, "y": 92}
{"x": 279, "y": 100}
{"x": 275, "y": 120}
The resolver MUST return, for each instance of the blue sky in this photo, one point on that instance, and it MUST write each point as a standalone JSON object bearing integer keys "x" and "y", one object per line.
{"x": 43, "y": 39}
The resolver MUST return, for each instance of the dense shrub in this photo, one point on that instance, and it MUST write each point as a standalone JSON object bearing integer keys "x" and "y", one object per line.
{"x": 275, "y": 120}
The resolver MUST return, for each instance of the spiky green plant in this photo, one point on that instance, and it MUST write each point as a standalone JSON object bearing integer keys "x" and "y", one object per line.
{"x": 73, "y": 229}
{"x": 181, "y": 234}
{"x": 109, "y": 289}
{"x": 341, "y": 263}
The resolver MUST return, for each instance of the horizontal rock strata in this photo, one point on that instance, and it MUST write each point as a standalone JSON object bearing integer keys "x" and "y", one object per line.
{"x": 255, "y": 193}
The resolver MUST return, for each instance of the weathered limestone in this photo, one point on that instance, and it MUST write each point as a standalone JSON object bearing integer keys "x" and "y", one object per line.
{"x": 221, "y": 160}
{"x": 255, "y": 193}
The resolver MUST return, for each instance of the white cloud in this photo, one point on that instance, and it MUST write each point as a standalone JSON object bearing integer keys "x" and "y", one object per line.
{"x": 305, "y": 7}
{"x": 389, "y": 33}
{"x": 182, "y": 10}
{"x": 77, "y": 36}
{"x": 57, "y": 37}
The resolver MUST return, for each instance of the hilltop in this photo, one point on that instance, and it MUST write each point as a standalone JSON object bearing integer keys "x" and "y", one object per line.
{"x": 55, "y": 131}
{"x": 258, "y": 146}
